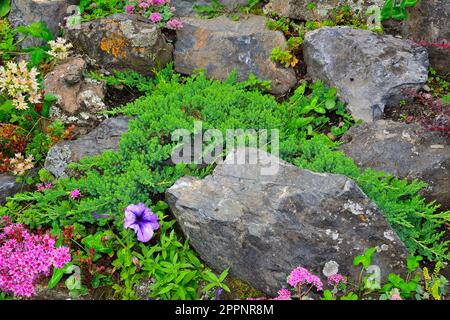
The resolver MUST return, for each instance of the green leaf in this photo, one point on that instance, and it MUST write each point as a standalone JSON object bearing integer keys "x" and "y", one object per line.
{"x": 58, "y": 274}
{"x": 49, "y": 99}
{"x": 330, "y": 104}
{"x": 5, "y": 7}
{"x": 350, "y": 296}
{"x": 327, "y": 295}
{"x": 223, "y": 275}
{"x": 413, "y": 263}
{"x": 37, "y": 55}
{"x": 37, "y": 30}
{"x": 365, "y": 259}
{"x": 56, "y": 277}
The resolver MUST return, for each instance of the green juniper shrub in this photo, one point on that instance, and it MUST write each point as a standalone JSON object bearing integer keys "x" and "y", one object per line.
{"x": 139, "y": 172}
{"x": 91, "y": 10}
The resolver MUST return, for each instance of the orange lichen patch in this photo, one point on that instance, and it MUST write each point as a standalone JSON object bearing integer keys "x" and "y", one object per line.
{"x": 115, "y": 44}
{"x": 202, "y": 37}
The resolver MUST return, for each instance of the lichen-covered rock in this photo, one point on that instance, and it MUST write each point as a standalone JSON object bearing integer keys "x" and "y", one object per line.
{"x": 51, "y": 12}
{"x": 79, "y": 99}
{"x": 220, "y": 45}
{"x": 123, "y": 41}
{"x": 405, "y": 150}
{"x": 429, "y": 24}
{"x": 299, "y": 9}
{"x": 369, "y": 70}
{"x": 105, "y": 137}
{"x": 263, "y": 226}
{"x": 8, "y": 187}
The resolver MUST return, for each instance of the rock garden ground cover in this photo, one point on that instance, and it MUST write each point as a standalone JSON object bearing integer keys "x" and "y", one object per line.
{"x": 97, "y": 96}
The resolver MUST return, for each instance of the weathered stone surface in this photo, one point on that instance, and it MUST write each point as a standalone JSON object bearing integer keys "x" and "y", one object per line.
{"x": 8, "y": 187}
{"x": 79, "y": 98}
{"x": 184, "y": 7}
{"x": 369, "y": 70}
{"x": 123, "y": 41}
{"x": 105, "y": 137}
{"x": 405, "y": 150}
{"x": 263, "y": 226}
{"x": 429, "y": 24}
{"x": 298, "y": 9}
{"x": 52, "y": 12}
{"x": 221, "y": 45}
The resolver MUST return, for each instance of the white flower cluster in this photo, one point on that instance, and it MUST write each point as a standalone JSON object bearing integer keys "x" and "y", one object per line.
{"x": 19, "y": 165}
{"x": 20, "y": 84}
{"x": 60, "y": 48}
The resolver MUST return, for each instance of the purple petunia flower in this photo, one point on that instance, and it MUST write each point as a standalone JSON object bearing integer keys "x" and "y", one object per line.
{"x": 142, "y": 220}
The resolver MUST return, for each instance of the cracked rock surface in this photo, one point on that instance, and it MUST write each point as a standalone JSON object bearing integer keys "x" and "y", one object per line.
{"x": 263, "y": 226}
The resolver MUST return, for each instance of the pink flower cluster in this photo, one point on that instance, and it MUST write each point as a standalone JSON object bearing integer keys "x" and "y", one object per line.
{"x": 41, "y": 187}
{"x": 336, "y": 279}
{"x": 24, "y": 257}
{"x": 300, "y": 276}
{"x": 157, "y": 11}
{"x": 283, "y": 294}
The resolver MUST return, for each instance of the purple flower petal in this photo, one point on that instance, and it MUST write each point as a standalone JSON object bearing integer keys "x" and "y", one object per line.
{"x": 142, "y": 220}
{"x": 145, "y": 232}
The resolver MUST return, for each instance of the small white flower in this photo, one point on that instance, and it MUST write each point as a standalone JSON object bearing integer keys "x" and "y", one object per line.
{"x": 60, "y": 48}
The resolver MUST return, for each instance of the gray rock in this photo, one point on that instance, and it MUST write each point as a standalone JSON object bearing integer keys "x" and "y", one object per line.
{"x": 105, "y": 137}
{"x": 405, "y": 150}
{"x": 51, "y": 12}
{"x": 8, "y": 187}
{"x": 123, "y": 41}
{"x": 429, "y": 24}
{"x": 369, "y": 70}
{"x": 220, "y": 45}
{"x": 263, "y": 226}
{"x": 185, "y": 7}
{"x": 298, "y": 9}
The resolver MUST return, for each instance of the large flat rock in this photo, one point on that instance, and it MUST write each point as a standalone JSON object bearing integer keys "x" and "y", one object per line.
{"x": 404, "y": 150}
{"x": 123, "y": 41}
{"x": 263, "y": 226}
{"x": 369, "y": 70}
{"x": 105, "y": 137}
{"x": 221, "y": 45}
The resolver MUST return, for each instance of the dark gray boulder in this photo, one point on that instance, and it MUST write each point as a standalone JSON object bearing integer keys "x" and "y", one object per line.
{"x": 299, "y": 9}
{"x": 105, "y": 137}
{"x": 8, "y": 187}
{"x": 369, "y": 70}
{"x": 51, "y": 12}
{"x": 405, "y": 150}
{"x": 428, "y": 23}
{"x": 263, "y": 226}
{"x": 184, "y": 8}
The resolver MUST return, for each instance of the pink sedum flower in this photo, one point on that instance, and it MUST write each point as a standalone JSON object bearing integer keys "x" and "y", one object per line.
{"x": 75, "y": 194}
{"x": 25, "y": 257}
{"x": 158, "y": 2}
{"x": 174, "y": 24}
{"x": 300, "y": 276}
{"x": 336, "y": 279}
{"x": 155, "y": 17}
{"x": 41, "y": 187}
{"x": 283, "y": 294}
{"x": 144, "y": 5}
{"x": 129, "y": 9}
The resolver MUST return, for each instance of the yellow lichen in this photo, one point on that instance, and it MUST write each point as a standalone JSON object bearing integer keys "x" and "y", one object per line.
{"x": 114, "y": 44}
